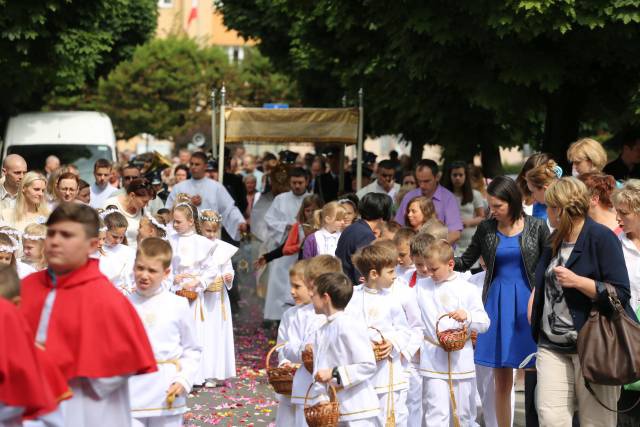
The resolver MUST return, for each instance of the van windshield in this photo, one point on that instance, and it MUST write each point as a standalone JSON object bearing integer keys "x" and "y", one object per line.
{"x": 82, "y": 156}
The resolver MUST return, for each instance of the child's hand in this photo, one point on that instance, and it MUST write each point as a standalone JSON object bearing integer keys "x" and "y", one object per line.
{"x": 260, "y": 262}
{"x": 385, "y": 348}
{"x": 460, "y": 315}
{"x": 176, "y": 389}
{"x": 228, "y": 277}
{"x": 324, "y": 375}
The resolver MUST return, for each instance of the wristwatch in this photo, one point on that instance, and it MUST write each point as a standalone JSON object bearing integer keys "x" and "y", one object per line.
{"x": 336, "y": 374}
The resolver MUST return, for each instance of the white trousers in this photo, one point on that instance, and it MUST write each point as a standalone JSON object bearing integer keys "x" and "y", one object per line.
{"x": 437, "y": 402}
{"x": 299, "y": 416}
{"x": 487, "y": 390}
{"x": 414, "y": 399}
{"x": 400, "y": 408}
{"x": 162, "y": 421}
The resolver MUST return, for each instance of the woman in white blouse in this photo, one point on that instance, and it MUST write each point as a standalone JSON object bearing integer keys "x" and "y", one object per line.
{"x": 626, "y": 201}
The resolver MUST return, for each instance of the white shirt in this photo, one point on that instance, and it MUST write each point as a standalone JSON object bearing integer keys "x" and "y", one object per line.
{"x": 632, "y": 259}
{"x": 215, "y": 197}
{"x": 282, "y": 213}
{"x": 100, "y": 194}
{"x": 375, "y": 187}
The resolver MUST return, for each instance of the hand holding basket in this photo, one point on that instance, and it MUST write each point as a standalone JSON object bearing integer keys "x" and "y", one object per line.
{"x": 323, "y": 414}
{"x": 452, "y": 339}
{"x": 281, "y": 377}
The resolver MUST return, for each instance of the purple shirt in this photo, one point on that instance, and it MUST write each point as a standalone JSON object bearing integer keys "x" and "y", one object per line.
{"x": 444, "y": 202}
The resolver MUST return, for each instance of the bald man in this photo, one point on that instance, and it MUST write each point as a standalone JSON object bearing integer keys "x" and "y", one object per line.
{"x": 13, "y": 169}
{"x": 51, "y": 164}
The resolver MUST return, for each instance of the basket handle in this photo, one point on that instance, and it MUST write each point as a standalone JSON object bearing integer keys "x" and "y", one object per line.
{"x": 378, "y": 331}
{"x": 331, "y": 391}
{"x": 465, "y": 323}
{"x": 274, "y": 348}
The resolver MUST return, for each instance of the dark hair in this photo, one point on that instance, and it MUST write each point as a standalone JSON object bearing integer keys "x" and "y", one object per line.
{"x": 200, "y": 155}
{"x": 393, "y": 154}
{"x": 269, "y": 156}
{"x": 82, "y": 184}
{"x": 141, "y": 187}
{"x": 337, "y": 286}
{"x": 427, "y": 163}
{"x": 76, "y": 212}
{"x": 182, "y": 167}
{"x": 129, "y": 166}
{"x": 163, "y": 211}
{"x": 298, "y": 173}
{"x": 447, "y": 182}
{"x": 9, "y": 282}
{"x": 310, "y": 200}
{"x": 101, "y": 163}
{"x": 533, "y": 161}
{"x": 350, "y": 197}
{"x": 506, "y": 189}
{"x": 375, "y": 206}
{"x": 68, "y": 175}
{"x": 386, "y": 164}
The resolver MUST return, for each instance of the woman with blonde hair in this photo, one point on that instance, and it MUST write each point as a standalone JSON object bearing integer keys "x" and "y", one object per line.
{"x": 31, "y": 205}
{"x": 570, "y": 282}
{"x": 586, "y": 155}
{"x": 419, "y": 210}
{"x": 538, "y": 180}
{"x": 626, "y": 201}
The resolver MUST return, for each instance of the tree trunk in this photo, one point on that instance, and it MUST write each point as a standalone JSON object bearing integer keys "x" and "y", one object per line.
{"x": 490, "y": 158}
{"x": 416, "y": 151}
{"x": 562, "y": 123}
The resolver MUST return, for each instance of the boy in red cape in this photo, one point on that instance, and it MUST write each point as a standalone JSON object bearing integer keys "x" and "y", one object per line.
{"x": 88, "y": 328}
{"x": 29, "y": 381}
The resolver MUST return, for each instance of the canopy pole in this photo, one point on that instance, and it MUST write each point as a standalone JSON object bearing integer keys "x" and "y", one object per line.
{"x": 341, "y": 170}
{"x": 213, "y": 122}
{"x": 360, "y": 148}
{"x": 223, "y": 94}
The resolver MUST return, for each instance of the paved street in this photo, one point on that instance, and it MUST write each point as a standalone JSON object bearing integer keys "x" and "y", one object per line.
{"x": 248, "y": 400}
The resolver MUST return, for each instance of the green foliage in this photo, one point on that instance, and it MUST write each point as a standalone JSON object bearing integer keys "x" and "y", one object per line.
{"x": 57, "y": 48}
{"x": 164, "y": 89}
{"x": 463, "y": 74}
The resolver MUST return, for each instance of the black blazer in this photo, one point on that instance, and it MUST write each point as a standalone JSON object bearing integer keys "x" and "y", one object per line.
{"x": 597, "y": 255}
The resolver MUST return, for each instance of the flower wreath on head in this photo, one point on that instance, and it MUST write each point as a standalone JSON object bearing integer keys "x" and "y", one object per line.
{"x": 15, "y": 245}
{"x": 32, "y": 237}
{"x": 214, "y": 217}
{"x": 106, "y": 212}
{"x": 155, "y": 222}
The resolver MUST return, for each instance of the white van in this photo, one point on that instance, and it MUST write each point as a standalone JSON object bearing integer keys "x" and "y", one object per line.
{"x": 75, "y": 137}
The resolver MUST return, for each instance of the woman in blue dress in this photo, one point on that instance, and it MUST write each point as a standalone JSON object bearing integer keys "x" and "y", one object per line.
{"x": 510, "y": 243}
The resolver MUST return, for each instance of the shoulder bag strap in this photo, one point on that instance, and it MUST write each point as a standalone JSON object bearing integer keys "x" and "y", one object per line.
{"x": 595, "y": 396}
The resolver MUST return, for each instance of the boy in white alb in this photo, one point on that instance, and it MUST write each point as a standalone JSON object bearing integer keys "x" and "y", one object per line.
{"x": 303, "y": 325}
{"x": 160, "y": 398}
{"x": 402, "y": 241}
{"x": 447, "y": 375}
{"x": 375, "y": 306}
{"x": 285, "y": 416}
{"x": 342, "y": 353}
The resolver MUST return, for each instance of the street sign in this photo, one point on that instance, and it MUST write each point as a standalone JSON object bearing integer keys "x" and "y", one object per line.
{"x": 272, "y": 106}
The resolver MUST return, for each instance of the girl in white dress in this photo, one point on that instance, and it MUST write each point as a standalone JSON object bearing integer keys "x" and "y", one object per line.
{"x": 9, "y": 247}
{"x": 194, "y": 269}
{"x": 218, "y": 327}
{"x": 330, "y": 221}
{"x": 33, "y": 246}
{"x": 117, "y": 259}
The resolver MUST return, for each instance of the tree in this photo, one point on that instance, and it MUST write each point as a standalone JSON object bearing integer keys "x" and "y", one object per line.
{"x": 164, "y": 89}
{"x": 468, "y": 75}
{"x": 59, "y": 47}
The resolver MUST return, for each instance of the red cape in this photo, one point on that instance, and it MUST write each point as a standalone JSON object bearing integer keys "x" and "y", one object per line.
{"x": 22, "y": 381}
{"x": 93, "y": 330}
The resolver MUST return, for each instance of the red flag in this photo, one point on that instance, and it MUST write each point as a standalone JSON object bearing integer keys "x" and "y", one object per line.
{"x": 194, "y": 12}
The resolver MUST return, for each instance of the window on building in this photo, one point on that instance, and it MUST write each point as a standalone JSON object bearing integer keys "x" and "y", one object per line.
{"x": 236, "y": 54}
{"x": 165, "y": 3}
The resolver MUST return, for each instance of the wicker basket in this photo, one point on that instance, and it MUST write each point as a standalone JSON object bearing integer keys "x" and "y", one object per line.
{"x": 215, "y": 286}
{"x": 307, "y": 359}
{"x": 323, "y": 414}
{"x": 190, "y": 295}
{"x": 280, "y": 378}
{"x": 377, "y": 347}
{"x": 452, "y": 339}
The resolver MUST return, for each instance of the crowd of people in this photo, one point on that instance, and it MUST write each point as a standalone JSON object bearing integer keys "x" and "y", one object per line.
{"x": 416, "y": 297}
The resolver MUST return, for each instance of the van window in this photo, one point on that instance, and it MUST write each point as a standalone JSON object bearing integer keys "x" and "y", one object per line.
{"x": 82, "y": 156}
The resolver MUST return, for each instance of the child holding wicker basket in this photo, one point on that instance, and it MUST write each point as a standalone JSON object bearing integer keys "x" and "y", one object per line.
{"x": 393, "y": 341}
{"x": 285, "y": 416}
{"x": 451, "y": 308}
{"x": 343, "y": 359}
{"x": 159, "y": 398}
{"x": 303, "y": 325}
{"x": 218, "y": 328}
{"x": 194, "y": 268}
